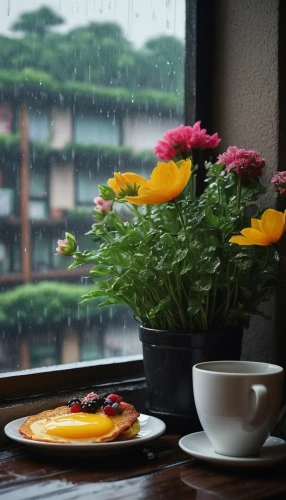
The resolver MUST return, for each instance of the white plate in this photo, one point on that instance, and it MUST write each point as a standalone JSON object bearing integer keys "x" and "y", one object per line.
{"x": 199, "y": 446}
{"x": 150, "y": 428}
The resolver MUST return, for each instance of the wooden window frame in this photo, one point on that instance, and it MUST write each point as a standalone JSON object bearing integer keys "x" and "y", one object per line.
{"x": 53, "y": 383}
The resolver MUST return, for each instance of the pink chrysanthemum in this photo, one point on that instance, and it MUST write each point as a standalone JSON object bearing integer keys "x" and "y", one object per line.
{"x": 180, "y": 141}
{"x": 280, "y": 180}
{"x": 246, "y": 163}
{"x": 165, "y": 151}
{"x": 202, "y": 140}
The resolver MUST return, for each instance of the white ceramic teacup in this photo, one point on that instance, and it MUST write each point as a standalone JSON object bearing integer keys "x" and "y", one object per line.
{"x": 237, "y": 403}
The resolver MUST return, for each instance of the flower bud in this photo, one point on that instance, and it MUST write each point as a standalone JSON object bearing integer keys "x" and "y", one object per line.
{"x": 102, "y": 206}
{"x": 68, "y": 246}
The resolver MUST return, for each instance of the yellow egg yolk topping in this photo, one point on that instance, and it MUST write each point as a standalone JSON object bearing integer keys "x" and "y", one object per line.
{"x": 79, "y": 426}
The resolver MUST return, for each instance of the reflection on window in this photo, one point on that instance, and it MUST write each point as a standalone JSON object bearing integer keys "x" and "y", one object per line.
{"x": 86, "y": 90}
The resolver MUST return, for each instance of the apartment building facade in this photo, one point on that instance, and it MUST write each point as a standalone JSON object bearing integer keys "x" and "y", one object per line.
{"x": 52, "y": 158}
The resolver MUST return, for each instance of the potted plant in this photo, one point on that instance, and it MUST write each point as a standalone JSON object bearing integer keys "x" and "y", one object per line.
{"x": 193, "y": 269}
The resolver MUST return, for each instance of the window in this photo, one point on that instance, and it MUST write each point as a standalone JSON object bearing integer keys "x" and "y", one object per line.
{"x": 39, "y": 125}
{"x": 86, "y": 186}
{"x": 38, "y": 205}
{"x": 91, "y": 91}
{"x": 92, "y": 129}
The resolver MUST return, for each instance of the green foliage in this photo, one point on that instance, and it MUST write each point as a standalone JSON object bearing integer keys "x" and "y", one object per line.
{"x": 39, "y": 21}
{"x": 9, "y": 142}
{"x": 87, "y": 154}
{"x": 46, "y": 303}
{"x": 94, "y": 61}
{"x": 30, "y": 80}
{"x": 173, "y": 264}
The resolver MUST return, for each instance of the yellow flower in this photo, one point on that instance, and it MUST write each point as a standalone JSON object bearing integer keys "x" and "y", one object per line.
{"x": 166, "y": 182}
{"x": 126, "y": 184}
{"x": 263, "y": 232}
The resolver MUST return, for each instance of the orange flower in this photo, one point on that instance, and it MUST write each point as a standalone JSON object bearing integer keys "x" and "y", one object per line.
{"x": 166, "y": 182}
{"x": 263, "y": 232}
{"x": 126, "y": 184}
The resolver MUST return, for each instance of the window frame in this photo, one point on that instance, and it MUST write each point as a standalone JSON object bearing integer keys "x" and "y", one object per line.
{"x": 46, "y": 381}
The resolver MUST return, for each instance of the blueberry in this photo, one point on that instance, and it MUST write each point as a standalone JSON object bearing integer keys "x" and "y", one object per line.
{"x": 117, "y": 408}
{"x": 107, "y": 402}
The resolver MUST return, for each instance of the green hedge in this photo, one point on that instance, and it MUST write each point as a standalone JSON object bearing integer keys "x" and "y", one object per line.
{"x": 9, "y": 144}
{"x": 49, "y": 303}
{"x": 30, "y": 83}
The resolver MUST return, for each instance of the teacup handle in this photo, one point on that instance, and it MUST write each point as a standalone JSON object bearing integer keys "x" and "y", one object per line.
{"x": 260, "y": 404}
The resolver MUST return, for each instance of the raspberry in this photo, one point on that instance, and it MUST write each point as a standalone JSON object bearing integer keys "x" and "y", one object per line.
{"x": 73, "y": 401}
{"x": 114, "y": 398}
{"x": 76, "y": 408}
{"x": 91, "y": 395}
{"x": 109, "y": 411}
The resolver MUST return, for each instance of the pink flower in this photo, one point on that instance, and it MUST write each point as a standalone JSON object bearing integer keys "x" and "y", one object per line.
{"x": 246, "y": 163}
{"x": 102, "y": 205}
{"x": 181, "y": 140}
{"x": 165, "y": 151}
{"x": 202, "y": 140}
{"x": 280, "y": 178}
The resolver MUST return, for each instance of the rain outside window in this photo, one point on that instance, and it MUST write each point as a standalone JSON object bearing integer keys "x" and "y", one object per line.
{"x": 87, "y": 87}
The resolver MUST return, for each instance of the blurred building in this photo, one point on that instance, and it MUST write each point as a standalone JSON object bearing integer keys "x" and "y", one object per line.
{"x": 54, "y": 151}
{"x": 55, "y": 148}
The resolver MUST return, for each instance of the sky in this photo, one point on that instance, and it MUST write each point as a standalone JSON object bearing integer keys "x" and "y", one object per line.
{"x": 140, "y": 19}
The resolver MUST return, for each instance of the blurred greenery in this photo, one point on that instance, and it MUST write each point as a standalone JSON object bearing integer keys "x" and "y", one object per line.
{"x": 9, "y": 142}
{"x": 88, "y": 154}
{"x": 39, "y": 21}
{"x": 95, "y": 60}
{"x": 49, "y": 303}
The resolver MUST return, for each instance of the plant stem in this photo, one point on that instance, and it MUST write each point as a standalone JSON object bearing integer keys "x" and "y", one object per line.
{"x": 265, "y": 260}
{"x": 183, "y": 223}
{"x": 173, "y": 295}
{"x": 238, "y": 192}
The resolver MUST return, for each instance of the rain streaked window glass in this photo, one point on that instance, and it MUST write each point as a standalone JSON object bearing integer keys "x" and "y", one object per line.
{"x": 87, "y": 87}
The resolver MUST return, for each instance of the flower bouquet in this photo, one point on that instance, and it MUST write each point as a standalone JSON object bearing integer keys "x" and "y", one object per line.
{"x": 193, "y": 269}
{"x": 184, "y": 262}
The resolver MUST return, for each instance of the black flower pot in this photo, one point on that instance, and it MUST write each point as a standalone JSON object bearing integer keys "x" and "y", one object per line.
{"x": 168, "y": 360}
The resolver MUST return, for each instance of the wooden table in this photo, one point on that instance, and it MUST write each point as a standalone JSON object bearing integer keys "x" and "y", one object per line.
{"x": 158, "y": 471}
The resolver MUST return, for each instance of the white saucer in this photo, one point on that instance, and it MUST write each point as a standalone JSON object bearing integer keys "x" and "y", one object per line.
{"x": 198, "y": 445}
{"x": 150, "y": 428}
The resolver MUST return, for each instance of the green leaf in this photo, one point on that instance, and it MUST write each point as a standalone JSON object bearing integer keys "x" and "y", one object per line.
{"x": 93, "y": 295}
{"x": 112, "y": 301}
{"x": 209, "y": 265}
{"x": 185, "y": 269}
{"x": 146, "y": 275}
{"x": 202, "y": 285}
{"x": 100, "y": 271}
{"x": 193, "y": 309}
{"x": 161, "y": 306}
{"x": 180, "y": 255}
{"x": 212, "y": 219}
